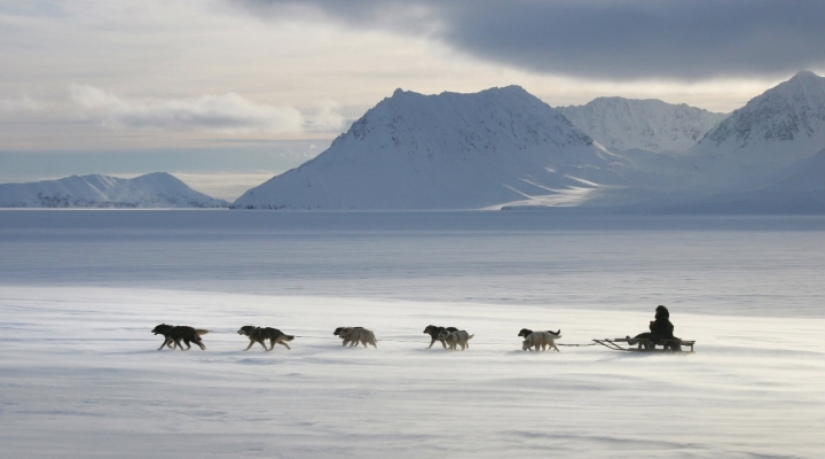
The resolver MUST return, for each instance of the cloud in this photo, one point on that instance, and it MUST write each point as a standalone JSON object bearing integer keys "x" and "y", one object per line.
{"x": 228, "y": 113}
{"x": 20, "y": 104}
{"x": 600, "y": 39}
{"x": 325, "y": 117}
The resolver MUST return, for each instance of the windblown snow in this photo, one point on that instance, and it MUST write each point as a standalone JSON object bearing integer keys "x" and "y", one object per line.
{"x": 81, "y": 376}
{"x": 157, "y": 190}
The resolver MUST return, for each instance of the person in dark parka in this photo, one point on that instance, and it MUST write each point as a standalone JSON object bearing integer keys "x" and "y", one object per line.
{"x": 661, "y": 330}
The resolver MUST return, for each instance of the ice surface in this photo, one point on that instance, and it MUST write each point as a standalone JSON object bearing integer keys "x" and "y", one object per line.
{"x": 81, "y": 290}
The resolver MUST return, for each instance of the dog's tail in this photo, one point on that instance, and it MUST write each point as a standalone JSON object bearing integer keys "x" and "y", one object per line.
{"x": 288, "y": 337}
{"x": 470, "y": 337}
{"x": 201, "y": 331}
{"x": 557, "y": 333}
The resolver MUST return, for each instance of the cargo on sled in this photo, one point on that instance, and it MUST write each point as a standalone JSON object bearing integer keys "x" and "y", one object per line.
{"x": 647, "y": 344}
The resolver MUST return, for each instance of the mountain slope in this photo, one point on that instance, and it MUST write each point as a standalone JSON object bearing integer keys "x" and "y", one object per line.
{"x": 652, "y": 125}
{"x": 759, "y": 142}
{"x": 799, "y": 190}
{"x": 157, "y": 190}
{"x": 791, "y": 111}
{"x": 448, "y": 151}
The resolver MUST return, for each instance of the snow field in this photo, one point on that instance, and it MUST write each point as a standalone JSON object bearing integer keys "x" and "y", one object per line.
{"x": 80, "y": 376}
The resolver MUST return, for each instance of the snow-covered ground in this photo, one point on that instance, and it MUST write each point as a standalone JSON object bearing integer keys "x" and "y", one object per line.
{"x": 80, "y": 375}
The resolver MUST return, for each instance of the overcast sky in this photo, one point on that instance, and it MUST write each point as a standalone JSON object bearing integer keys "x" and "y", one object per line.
{"x": 247, "y": 75}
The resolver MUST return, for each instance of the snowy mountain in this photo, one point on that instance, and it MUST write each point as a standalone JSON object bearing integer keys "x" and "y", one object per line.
{"x": 157, "y": 190}
{"x": 793, "y": 111}
{"x": 651, "y": 125}
{"x": 761, "y": 142}
{"x": 449, "y": 151}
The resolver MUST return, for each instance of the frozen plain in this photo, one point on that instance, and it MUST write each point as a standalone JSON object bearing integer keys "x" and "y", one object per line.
{"x": 80, "y": 375}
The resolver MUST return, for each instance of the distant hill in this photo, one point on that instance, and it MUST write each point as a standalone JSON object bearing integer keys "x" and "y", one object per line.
{"x": 448, "y": 151}
{"x": 157, "y": 190}
{"x": 652, "y": 125}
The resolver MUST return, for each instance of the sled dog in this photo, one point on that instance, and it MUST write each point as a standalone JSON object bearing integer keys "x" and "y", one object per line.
{"x": 261, "y": 334}
{"x": 173, "y": 335}
{"x": 355, "y": 335}
{"x": 541, "y": 339}
{"x": 455, "y": 339}
{"x": 434, "y": 331}
{"x": 526, "y": 331}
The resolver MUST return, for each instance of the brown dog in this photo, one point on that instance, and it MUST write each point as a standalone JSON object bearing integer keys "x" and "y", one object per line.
{"x": 355, "y": 335}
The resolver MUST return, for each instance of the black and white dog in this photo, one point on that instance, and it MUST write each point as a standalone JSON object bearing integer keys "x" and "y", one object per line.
{"x": 434, "y": 331}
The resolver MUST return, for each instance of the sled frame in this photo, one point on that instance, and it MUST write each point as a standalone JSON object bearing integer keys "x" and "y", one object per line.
{"x": 644, "y": 345}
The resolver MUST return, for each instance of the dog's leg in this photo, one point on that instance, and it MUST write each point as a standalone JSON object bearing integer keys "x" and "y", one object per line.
{"x": 283, "y": 343}
{"x": 262, "y": 343}
{"x": 165, "y": 343}
{"x": 251, "y": 342}
{"x": 431, "y": 343}
{"x": 444, "y": 344}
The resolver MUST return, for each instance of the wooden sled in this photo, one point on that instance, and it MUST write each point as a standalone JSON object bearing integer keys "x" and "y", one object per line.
{"x": 645, "y": 345}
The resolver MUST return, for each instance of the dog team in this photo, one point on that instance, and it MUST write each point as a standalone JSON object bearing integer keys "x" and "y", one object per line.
{"x": 450, "y": 337}
{"x": 661, "y": 333}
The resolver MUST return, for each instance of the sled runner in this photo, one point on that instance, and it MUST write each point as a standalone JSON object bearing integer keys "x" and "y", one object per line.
{"x": 645, "y": 345}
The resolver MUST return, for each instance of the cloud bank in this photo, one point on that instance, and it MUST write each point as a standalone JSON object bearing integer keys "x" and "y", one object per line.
{"x": 227, "y": 113}
{"x": 20, "y": 104}
{"x": 600, "y": 39}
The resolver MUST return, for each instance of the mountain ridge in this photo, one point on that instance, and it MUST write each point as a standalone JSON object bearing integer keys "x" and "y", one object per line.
{"x": 155, "y": 190}
{"x": 504, "y": 148}
{"x": 444, "y": 151}
{"x": 648, "y": 124}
